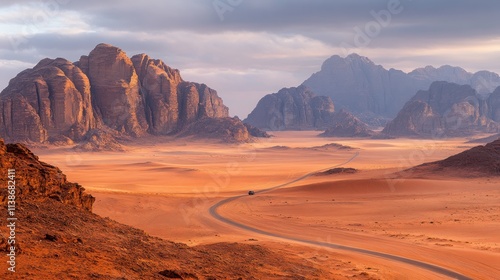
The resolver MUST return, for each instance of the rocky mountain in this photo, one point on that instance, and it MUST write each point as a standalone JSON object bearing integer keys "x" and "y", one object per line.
{"x": 345, "y": 124}
{"x": 478, "y": 161}
{"x": 292, "y": 109}
{"x": 446, "y": 109}
{"x": 364, "y": 88}
{"x": 105, "y": 90}
{"x": 55, "y": 225}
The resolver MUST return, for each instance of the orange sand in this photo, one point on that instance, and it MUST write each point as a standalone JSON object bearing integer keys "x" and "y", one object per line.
{"x": 166, "y": 189}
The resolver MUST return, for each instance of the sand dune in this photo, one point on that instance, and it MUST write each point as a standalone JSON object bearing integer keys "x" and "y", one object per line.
{"x": 166, "y": 189}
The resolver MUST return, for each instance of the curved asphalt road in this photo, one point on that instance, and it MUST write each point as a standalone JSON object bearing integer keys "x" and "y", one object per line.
{"x": 434, "y": 268}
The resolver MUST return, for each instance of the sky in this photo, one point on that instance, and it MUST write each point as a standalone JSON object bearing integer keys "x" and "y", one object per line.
{"x": 246, "y": 49}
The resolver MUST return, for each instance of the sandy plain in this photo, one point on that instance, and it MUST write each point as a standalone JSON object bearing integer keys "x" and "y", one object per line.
{"x": 166, "y": 189}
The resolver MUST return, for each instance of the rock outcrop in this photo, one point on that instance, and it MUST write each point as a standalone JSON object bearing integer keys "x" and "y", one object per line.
{"x": 345, "y": 124}
{"x": 256, "y": 132}
{"x": 361, "y": 86}
{"x": 99, "y": 140}
{"x": 292, "y": 109}
{"x": 475, "y": 162}
{"x": 36, "y": 180}
{"x": 115, "y": 89}
{"x": 105, "y": 90}
{"x": 223, "y": 129}
{"x": 446, "y": 109}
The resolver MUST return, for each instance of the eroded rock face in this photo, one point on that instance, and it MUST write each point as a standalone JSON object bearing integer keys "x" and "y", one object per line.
{"x": 159, "y": 85}
{"x": 36, "y": 180}
{"x": 345, "y": 124}
{"x": 445, "y": 109}
{"x": 292, "y": 109}
{"x": 115, "y": 90}
{"x": 51, "y": 99}
{"x": 105, "y": 90}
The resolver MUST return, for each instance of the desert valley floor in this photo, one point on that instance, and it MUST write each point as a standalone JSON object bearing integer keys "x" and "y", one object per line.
{"x": 168, "y": 189}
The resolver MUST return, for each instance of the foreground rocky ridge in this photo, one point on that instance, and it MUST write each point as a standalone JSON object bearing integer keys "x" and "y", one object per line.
{"x": 36, "y": 180}
{"x": 447, "y": 109}
{"x": 61, "y": 242}
{"x": 292, "y": 109}
{"x": 105, "y": 90}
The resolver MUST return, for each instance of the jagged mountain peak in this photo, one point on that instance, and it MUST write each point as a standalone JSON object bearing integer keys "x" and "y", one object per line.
{"x": 363, "y": 87}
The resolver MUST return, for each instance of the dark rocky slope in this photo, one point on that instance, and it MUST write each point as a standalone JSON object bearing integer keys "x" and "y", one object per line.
{"x": 476, "y": 162}
{"x": 345, "y": 124}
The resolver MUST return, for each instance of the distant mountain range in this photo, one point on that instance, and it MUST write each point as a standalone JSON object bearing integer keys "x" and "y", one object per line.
{"x": 105, "y": 95}
{"x": 366, "y": 89}
{"x": 375, "y": 95}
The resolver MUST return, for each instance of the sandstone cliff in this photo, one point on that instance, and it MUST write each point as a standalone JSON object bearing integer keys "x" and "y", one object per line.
{"x": 292, "y": 109}
{"x": 54, "y": 96}
{"x": 444, "y": 110}
{"x": 105, "y": 90}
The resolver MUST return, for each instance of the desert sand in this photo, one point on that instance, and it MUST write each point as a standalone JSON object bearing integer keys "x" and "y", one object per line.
{"x": 166, "y": 189}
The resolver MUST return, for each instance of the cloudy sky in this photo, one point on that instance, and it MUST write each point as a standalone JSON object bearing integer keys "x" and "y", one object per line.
{"x": 248, "y": 48}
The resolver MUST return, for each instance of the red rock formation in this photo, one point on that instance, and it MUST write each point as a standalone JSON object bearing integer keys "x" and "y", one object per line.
{"x": 105, "y": 90}
{"x": 225, "y": 129}
{"x": 51, "y": 99}
{"x": 36, "y": 180}
{"x": 159, "y": 85}
{"x": 115, "y": 90}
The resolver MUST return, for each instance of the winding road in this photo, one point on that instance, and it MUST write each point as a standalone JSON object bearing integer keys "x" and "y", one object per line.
{"x": 427, "y": 266}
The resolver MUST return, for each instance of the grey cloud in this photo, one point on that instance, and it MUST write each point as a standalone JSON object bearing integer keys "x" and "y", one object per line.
{"x": 147, "y": 26}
